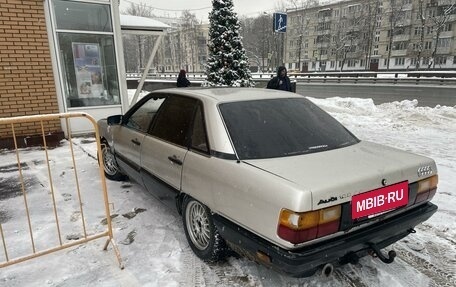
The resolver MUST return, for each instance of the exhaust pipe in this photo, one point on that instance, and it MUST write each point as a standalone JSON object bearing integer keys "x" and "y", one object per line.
{"x": 327, "y": 270}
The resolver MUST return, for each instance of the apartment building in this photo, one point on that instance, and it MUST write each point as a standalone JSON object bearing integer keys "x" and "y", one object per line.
{"x": 354, "y": 35}
{"x": 184, "y": 46}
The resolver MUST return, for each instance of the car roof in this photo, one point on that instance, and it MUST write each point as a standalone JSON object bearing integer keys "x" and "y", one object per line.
{"x": 228, "y": 94}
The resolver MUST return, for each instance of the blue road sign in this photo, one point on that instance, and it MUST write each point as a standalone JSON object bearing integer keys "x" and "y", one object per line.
{"x": 280, "y": 22}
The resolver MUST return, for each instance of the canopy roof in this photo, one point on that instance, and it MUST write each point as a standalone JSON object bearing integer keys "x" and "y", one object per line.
{"x": 138, "y": 23}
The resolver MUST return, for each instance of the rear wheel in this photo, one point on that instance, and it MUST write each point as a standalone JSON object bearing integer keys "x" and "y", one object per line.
{"x": 201, "y": 233}
{"x": 111, "y": 169}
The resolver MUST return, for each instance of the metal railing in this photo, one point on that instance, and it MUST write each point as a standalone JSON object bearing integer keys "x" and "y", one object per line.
{"x": 14, "y": 122}
{"x": 404, "y": 78}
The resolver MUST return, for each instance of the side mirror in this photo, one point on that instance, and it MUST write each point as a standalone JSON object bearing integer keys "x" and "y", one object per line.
{"x": 114, "y": 120}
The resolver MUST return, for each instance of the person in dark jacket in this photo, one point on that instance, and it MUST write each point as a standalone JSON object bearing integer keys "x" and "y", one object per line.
{"x": 182, "y": 80}
{"x": 281, "y": 81}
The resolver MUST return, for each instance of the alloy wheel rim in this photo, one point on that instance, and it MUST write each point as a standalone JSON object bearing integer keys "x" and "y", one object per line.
{"x": 198, "y": 225}
{"x": 109, "y": 163}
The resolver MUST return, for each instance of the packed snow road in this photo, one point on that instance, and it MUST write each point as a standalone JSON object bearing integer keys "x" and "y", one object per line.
{"x": 151, "y": 238}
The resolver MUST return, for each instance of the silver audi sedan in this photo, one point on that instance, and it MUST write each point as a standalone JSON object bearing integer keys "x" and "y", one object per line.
{"x": 269, "y": 175}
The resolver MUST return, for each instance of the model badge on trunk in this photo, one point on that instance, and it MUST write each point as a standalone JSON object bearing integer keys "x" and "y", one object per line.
{"x": 327, "y": 200}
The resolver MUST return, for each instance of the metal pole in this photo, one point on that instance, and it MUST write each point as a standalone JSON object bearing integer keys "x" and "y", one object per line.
{"x": 146, "y": 70}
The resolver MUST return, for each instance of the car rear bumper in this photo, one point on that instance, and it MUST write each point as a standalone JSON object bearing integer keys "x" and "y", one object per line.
{"x": 305, "y": 261}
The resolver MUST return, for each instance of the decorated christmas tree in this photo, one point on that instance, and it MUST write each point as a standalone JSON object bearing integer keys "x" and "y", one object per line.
{"x": 227, "y": 64}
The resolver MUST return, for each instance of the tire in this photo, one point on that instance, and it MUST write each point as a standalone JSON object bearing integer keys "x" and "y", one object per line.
{"x": 110, "y": 166}
{"x": 202, "y": 235}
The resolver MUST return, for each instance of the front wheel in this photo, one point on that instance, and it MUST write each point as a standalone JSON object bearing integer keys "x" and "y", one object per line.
{"x": 201, "y": 233}
{"x": 111, "y": 169}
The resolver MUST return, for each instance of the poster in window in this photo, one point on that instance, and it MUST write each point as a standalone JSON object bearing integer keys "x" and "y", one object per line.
{"x": 88, "y": 69}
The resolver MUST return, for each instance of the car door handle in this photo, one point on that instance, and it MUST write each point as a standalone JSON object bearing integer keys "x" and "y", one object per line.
{"x": 175, "y": 160}
{"x": 135, "y": 141}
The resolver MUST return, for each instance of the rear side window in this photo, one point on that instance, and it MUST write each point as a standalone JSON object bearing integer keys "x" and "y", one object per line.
{"x": 173, "y": 121}
{"x": 199, "y": 137}
{"x": 282, "y": 127}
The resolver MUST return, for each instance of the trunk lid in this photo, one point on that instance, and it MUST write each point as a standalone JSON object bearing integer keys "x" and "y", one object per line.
{"x": 333, "y": 177}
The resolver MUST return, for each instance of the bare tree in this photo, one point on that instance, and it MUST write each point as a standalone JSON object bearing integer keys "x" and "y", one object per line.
{"x": 370, "y": 14}
{"x": 347, "y": 35}
{"x": 135, "y": 45}
{"x": 258, "y": 37}
{"x": 396, "y": 16}
{"x": 301, "y": 7}
{"x": 191, "y": 34}
{"x": 420, "y": 45}
{"x": 441, "y": 15}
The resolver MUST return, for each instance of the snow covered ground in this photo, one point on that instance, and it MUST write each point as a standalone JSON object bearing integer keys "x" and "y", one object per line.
{"x": 153, "y": 245}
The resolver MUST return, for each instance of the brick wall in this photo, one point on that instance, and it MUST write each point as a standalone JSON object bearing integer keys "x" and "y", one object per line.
{"x": 27, "y": 84}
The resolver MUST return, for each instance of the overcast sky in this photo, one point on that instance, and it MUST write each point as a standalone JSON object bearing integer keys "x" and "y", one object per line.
{"x": 174, "y": 8}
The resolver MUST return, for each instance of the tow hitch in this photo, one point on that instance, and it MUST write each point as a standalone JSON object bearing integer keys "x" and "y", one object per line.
{"x": 376, "y": 252}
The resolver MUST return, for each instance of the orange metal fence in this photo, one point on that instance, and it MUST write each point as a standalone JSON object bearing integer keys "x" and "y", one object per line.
{"x": 87, "y": 236}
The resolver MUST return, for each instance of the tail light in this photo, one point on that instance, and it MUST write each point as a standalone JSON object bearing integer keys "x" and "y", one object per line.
{"x": 298, "y": 227}
{"x": 426, "y": 188}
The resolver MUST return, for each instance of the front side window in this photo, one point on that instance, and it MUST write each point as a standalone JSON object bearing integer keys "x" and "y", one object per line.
{"x": 141, "y": 119}
{"x": 173, "y": 120}
{"x": 282, "y": 127}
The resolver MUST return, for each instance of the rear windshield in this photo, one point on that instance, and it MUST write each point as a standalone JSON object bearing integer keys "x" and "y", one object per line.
{"x": 282, "y": 127}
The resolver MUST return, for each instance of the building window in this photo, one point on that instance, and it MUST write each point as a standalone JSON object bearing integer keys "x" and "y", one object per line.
{"x": 418, "y": 30}
{"x": 332, "y": 63}
{"x": 425, "y": 61}
{"x": 89, "y": 69}
{"x": 400, "y": 46}
{"x": 87, "y": 54}
{"x": 444, "y": 43}
{"x": 447, "y": 27}
{"x": 82, "y": 16}
{"x": 428, "y": 45}
{"x": 441, "y": 60}
{"x": 413, "y": 62}
{"x": 399, "y": 61}
{"x": 385, "y": 62}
